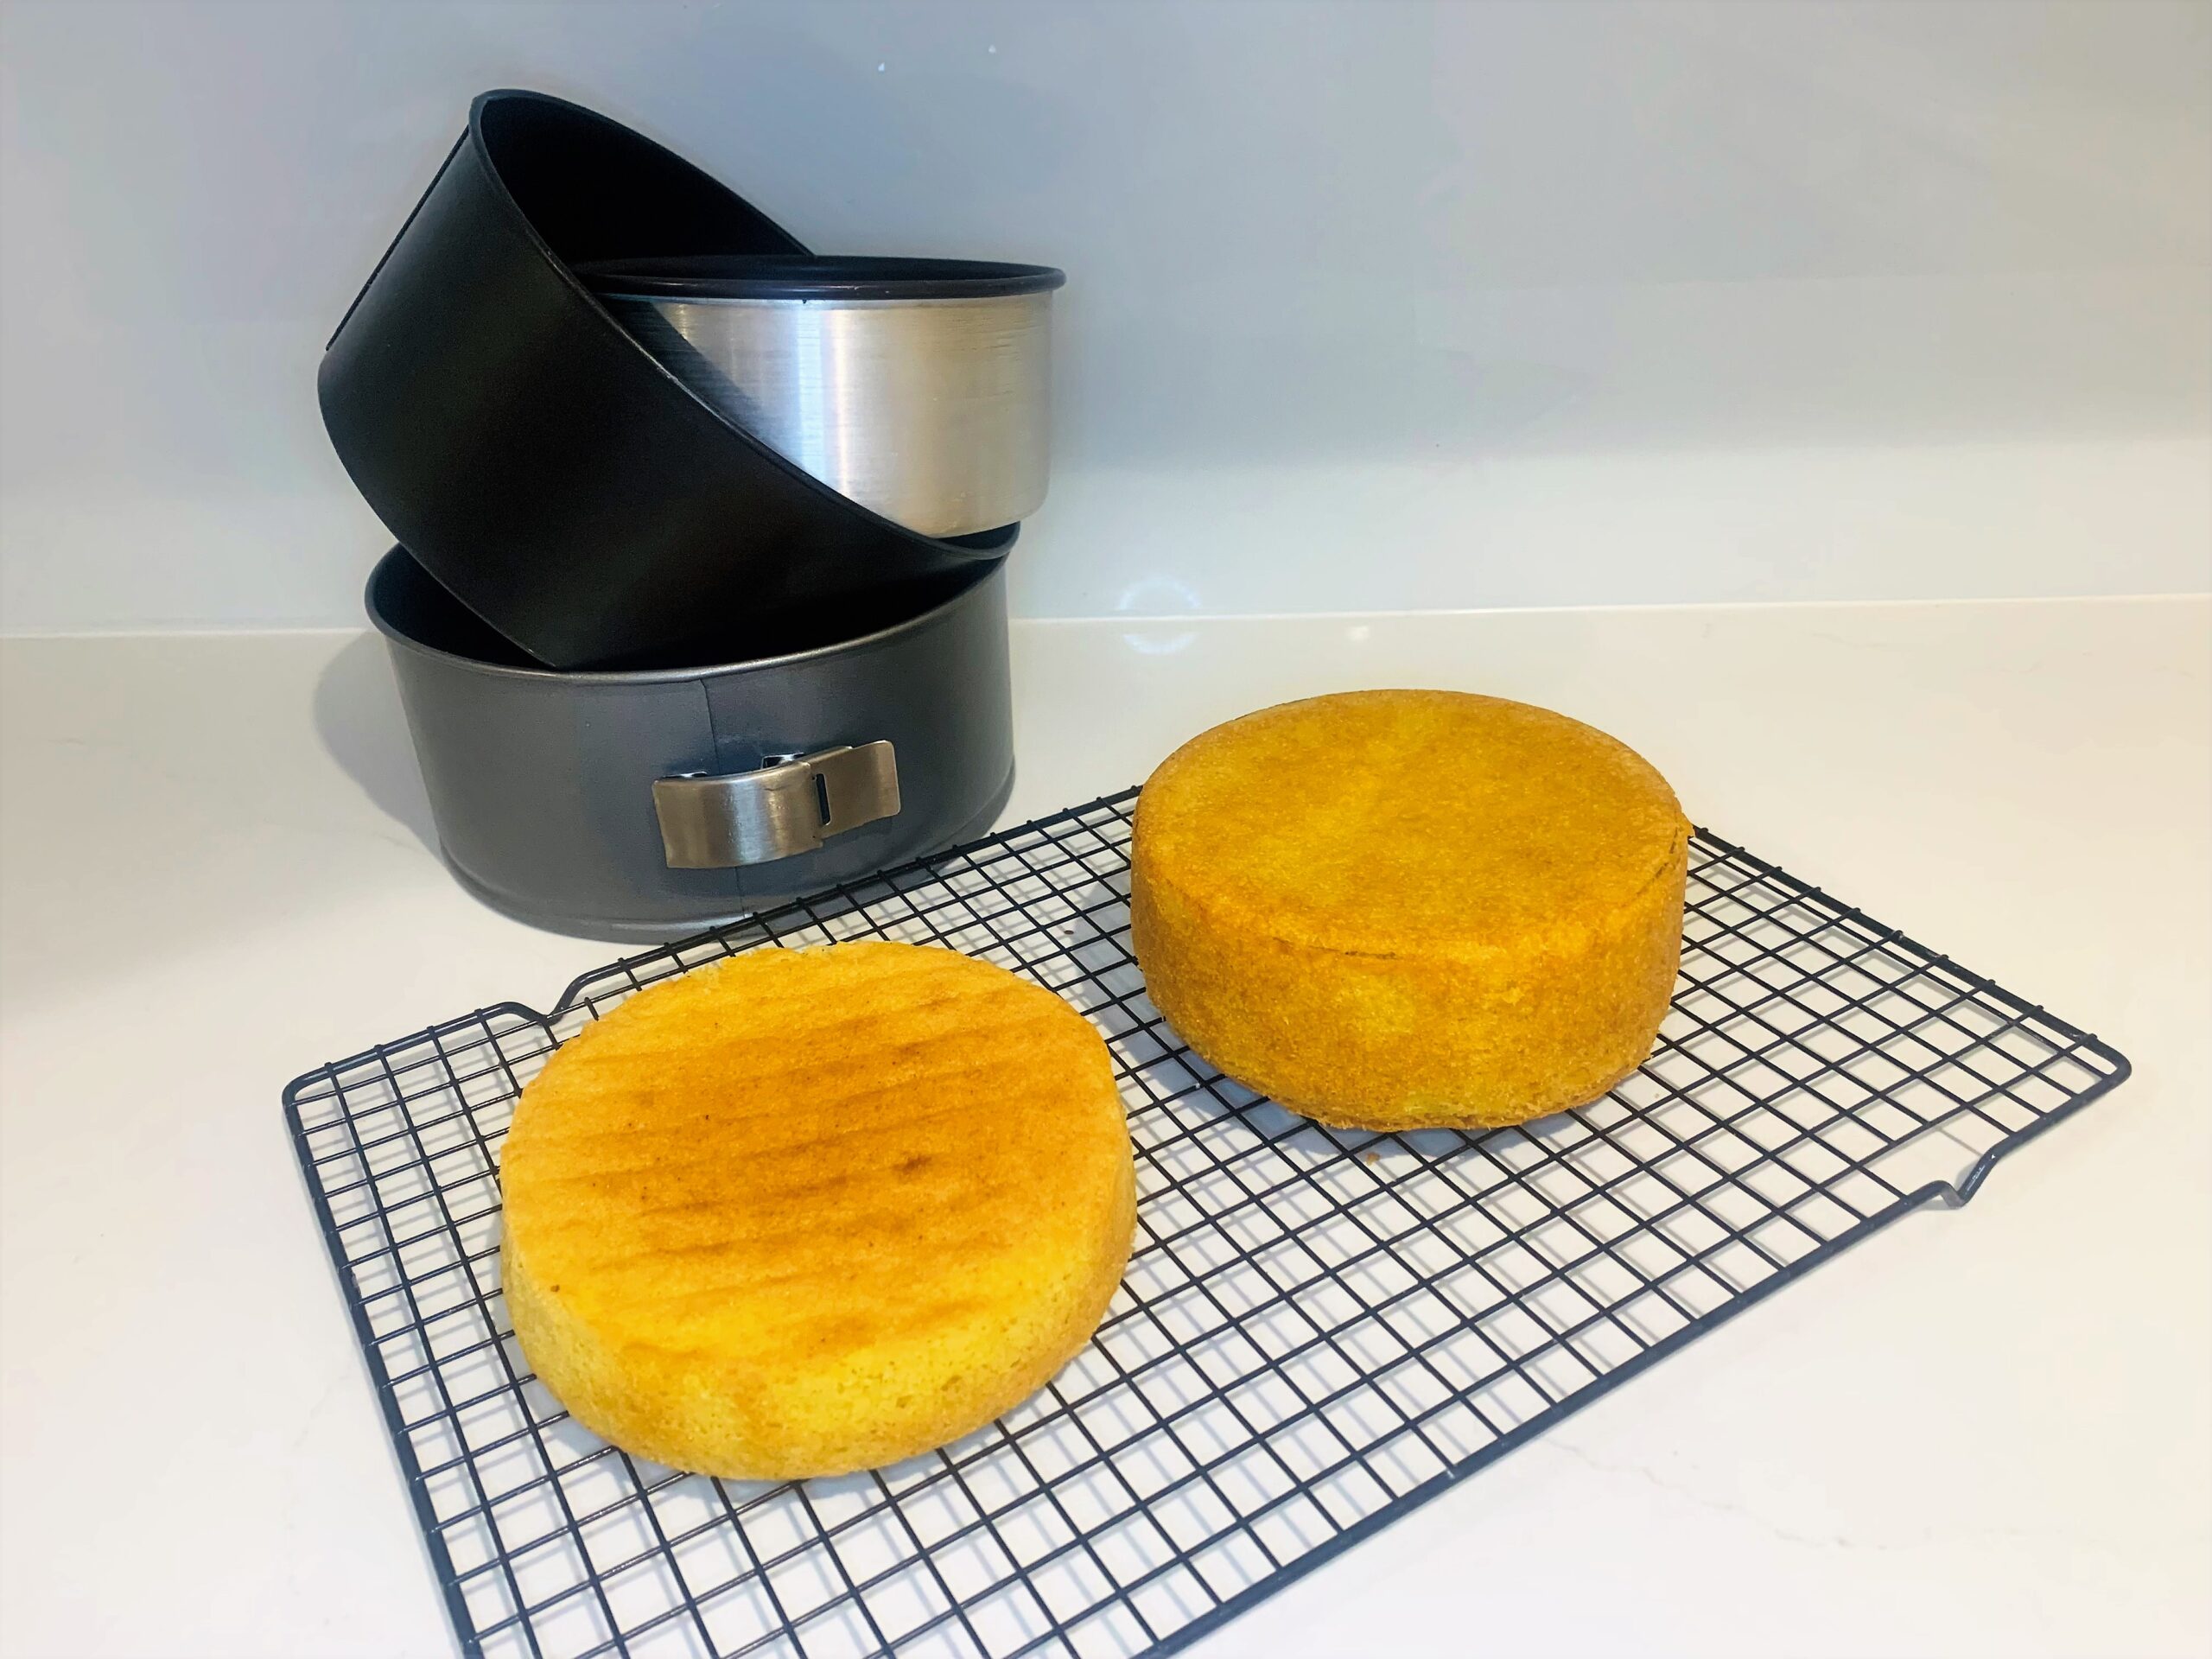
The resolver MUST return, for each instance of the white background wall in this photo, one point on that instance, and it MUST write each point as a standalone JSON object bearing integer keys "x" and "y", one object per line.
{"x": 1371, "y": 305}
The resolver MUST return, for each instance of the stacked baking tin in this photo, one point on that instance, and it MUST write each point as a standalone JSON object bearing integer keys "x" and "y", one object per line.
{"x": 699, "y": 598}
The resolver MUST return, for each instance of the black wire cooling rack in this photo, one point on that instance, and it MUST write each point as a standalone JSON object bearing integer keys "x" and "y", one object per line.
{"x": 1320, "y": 1330}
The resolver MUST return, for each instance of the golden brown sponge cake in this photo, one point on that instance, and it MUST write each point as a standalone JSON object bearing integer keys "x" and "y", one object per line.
{"x": 1411, "y": 909}
{"x": 808, "y": 1212}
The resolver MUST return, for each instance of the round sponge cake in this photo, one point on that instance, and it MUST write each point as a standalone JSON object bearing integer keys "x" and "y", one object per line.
{"x": 809, "y": 1211}
{"x": 1399, "y": 909}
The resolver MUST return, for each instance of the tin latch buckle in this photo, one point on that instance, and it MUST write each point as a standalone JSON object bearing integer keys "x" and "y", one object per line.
{"x": 713, "y": 822}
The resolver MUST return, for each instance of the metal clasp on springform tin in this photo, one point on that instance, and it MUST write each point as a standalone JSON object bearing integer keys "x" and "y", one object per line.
{"x": 712, "y": 823}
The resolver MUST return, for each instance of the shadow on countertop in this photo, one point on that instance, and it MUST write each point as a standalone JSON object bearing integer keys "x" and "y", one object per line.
{"x": 358, "y": 718}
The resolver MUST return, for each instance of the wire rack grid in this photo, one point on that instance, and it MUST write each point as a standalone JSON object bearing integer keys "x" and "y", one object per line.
{"x": 1318, "y": 1330}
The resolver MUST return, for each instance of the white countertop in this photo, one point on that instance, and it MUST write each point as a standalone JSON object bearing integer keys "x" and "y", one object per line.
{"x": 1986, "y": 1431}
